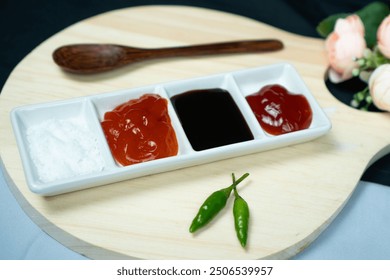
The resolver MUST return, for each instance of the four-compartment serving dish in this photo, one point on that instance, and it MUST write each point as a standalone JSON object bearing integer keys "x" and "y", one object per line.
{"x": 87, "y": 149}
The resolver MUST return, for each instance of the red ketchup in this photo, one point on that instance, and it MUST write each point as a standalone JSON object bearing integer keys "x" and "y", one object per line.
{"x": 279, "y": 111}
{"x": 140, "y": 130}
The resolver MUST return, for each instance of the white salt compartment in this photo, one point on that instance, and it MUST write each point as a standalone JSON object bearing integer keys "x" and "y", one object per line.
{"x": 239, "y": 84}
{"x": 77, "y": 113}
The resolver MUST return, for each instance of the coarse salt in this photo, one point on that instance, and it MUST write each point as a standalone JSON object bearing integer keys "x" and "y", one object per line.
{"x": 63, "y": 148}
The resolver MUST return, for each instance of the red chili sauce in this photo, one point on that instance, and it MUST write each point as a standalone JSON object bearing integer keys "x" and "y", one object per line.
{"x": 279, "y": 111}
{"x": 140, "y": 130}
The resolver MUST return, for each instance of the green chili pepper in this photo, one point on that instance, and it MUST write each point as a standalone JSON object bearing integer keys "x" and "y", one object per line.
{"x": 213, "y": 205}
{"x": 241, "y": 216}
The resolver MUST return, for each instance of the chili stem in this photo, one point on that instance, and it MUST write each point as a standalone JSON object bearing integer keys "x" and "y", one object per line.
{"x": 235, "y": 183}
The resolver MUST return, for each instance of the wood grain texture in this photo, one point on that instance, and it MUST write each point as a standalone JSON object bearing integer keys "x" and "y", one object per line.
{"x": 293, "y": 192}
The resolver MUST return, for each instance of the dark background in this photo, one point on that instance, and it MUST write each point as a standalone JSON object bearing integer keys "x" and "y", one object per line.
{"x": 24, "y": 24}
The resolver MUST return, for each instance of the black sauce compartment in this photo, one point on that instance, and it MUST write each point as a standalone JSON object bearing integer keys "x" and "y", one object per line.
{"x": 211, "y": 118}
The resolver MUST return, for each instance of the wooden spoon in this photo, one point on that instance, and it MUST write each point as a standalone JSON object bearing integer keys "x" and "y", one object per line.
{"x": 94, "y": 58}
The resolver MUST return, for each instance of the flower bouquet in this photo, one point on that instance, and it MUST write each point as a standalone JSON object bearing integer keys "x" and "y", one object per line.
{"x": 358, "y": 45}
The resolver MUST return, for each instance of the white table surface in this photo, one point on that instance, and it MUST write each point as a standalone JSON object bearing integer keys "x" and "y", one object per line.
{"x": 360, "y": 231}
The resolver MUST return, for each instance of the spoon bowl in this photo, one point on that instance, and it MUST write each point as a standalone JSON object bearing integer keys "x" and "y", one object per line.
{"x": 95, "y": 58}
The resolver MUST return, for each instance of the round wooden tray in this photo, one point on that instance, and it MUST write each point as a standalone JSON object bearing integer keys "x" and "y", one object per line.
{"x": 293, "y": 192}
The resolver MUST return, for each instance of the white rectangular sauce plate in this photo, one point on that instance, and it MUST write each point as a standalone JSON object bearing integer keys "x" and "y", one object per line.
{"x": 89, "y": 112}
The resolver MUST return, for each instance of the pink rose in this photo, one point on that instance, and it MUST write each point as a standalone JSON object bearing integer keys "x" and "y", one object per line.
{"x": 343, "y": 46}
{"x": 379, "y": 85}
{"x": 383, "y": 36}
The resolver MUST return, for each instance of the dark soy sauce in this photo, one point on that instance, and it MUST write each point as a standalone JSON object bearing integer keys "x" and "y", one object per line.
{"x": 210, "y": 118}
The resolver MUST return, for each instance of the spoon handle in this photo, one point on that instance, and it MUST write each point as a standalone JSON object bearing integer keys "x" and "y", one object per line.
{"x": 218, "y": 48}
